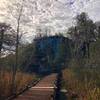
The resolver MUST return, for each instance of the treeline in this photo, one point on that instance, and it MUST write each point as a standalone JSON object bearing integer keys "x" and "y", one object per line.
{"x": 86, "y": 36}
{"x": 81, "y": 79}
{"x": 17, "y": 56}
{"x": 82, "y": 34}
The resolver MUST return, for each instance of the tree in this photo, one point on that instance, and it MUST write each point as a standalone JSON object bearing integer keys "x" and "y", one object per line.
{"x": 84, "y": 32}
{"x": 27, "y": 57}
{"x": 3, "y": 29}
{"x": 86, "y": 29}
{"x": 85, "y": 26}
{"x": 98, "y": 29}
{"x": 17, "y": 8}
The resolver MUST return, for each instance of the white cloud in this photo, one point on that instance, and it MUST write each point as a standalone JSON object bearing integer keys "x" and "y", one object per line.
{"x": 57, "y": 14}
{"x": 93, "y": 9}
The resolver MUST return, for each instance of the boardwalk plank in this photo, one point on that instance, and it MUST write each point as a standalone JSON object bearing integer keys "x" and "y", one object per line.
{"x": 42, "y": 91}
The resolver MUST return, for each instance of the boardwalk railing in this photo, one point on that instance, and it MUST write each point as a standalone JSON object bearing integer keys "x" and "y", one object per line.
{"x": 33, "y": 83}
{"x": 47, "y": 85}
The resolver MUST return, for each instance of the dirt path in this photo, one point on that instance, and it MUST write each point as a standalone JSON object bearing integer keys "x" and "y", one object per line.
{"x": 44, "y": 90}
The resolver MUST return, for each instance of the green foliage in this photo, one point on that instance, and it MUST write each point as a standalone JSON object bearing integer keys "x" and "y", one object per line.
{"x": 26, "y": 56}
{"x": 83, "y": 34}
{"x": 64, "y": 53}
{"x": 7, "y": 63}
{"x": 83, "y": 76}
{"x": 84, "y": 28}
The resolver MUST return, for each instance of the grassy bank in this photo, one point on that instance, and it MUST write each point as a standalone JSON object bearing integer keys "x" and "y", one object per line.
{"x": 22, "y": 79}
{"x": 85, "y": 83}
{"x": 82, "y": 78}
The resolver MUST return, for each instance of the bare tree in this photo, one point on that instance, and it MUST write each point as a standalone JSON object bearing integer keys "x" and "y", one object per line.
{"x": 16, "y": 10}
{"x": 17, "y": 40}
{"x": 3, "y": 29}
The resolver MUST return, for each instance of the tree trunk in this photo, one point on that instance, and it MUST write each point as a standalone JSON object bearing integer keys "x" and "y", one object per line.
{"x": 1, "y": 40}
{"x": 16, "y": 62}
{"x": 88, "y": 50}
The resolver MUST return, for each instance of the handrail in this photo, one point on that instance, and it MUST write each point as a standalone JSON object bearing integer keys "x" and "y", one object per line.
{"x": 33, "y": 83}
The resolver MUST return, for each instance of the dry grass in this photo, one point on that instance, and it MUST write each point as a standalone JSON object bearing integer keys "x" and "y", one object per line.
{"x": 22, "y": 79}
{"x": 86, "y": 88}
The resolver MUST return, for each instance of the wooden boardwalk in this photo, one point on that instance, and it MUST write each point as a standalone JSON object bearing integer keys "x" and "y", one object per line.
{"x": 44, "y": 90}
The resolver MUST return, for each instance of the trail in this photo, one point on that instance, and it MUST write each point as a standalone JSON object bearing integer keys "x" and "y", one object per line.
{"x": 44, "y": 90}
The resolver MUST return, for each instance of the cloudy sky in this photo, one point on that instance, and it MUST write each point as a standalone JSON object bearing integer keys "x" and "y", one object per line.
{"x": 55, "y": 15}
